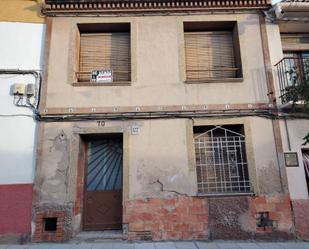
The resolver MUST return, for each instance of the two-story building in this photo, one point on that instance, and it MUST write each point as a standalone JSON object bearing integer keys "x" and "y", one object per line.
{"x": 22, "y": 33}
{"x": 159, "y": 118}
{"x": 288, "y": 39}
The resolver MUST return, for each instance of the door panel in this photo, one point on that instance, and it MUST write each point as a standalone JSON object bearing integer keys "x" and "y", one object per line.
{"x": 103, "y": 185}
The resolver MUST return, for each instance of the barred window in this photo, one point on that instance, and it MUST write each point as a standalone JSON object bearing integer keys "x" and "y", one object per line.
{"x": 221, "y": 161}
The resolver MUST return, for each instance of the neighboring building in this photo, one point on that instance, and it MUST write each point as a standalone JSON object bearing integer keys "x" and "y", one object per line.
{"x": 289, "y": 49}
{"x": 21, "y": 46}
{"x": 179, "y": 141}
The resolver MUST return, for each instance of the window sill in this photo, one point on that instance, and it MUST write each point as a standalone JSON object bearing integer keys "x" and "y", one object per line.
{"x": 225, "y": 80}
{"x": 122, "y": 83}
{"x": 225, "y": 194}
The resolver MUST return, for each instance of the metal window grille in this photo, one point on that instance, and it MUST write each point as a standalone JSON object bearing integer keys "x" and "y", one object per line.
{"x": 221, "y": 162}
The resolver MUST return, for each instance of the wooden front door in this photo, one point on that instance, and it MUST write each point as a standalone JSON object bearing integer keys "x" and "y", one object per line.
{"x": 103, "y": 185}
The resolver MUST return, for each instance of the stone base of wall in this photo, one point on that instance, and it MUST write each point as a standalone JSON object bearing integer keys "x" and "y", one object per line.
{"x": 202, "y": 218}
{"x": 301, "y": 215}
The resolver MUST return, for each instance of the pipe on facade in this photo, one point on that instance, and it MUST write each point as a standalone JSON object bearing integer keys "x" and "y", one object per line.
{"x": 287, "y": 133}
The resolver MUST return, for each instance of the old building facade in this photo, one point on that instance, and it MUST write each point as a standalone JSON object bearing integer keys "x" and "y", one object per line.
{"x": 21, "y": 48}
{"x": 288, "y": 37}
{"x": 160, "y": 118}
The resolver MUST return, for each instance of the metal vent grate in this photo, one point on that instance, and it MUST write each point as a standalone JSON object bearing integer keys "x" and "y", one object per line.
{"x": 221, "y": 162}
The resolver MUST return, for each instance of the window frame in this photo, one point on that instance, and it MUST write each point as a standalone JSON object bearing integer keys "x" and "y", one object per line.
{"x": 210, "y": 26}
{"x": 92, "y": 28}
{"x": 248, "y": 162}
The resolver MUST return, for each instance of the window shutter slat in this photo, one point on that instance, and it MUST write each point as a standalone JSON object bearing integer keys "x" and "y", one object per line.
{"x": 295, "y": 42}
{"x": 106, "y": 51}
{"x": 209, "y": 55}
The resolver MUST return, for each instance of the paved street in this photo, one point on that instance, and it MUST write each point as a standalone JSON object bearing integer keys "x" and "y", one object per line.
{"x": 165, "y": 245}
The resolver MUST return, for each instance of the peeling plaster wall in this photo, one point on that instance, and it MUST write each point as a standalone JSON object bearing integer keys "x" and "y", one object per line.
{"x": 157, "y": 158}
{"x": 266, "y": 162}
{"x": 165, "y": 69}
{"x": 157, "y": 167}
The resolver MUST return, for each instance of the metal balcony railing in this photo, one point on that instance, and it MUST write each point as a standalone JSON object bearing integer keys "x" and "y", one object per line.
{"x": 291, "y": 71}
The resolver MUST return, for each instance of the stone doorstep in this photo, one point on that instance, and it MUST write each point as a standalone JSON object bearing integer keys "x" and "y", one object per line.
{"x": 99, "y": 236}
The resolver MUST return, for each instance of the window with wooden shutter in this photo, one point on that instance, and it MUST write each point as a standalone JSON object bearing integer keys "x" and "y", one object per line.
{"x": 105, "y": 50}
{"x": 211, "y": 54}
{"x": 295, "y": 42}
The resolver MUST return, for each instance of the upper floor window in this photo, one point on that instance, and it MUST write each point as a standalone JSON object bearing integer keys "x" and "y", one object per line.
{"x": 212, "y": 51}
{"x": 104, "y": 48}
{"x": 293, "y": 68}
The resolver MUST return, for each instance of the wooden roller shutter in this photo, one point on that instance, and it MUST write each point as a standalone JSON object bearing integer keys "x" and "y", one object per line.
{"x": 105, "y": 51}
{"x": 209, "y": 55}
{"x": 295, "y": 42}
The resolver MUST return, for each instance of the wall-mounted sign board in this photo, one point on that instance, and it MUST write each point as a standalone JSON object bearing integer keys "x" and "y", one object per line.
{"x": 291, "y": 159}
{"x": 102, "y": 76}
{"x": 135, "y": 129}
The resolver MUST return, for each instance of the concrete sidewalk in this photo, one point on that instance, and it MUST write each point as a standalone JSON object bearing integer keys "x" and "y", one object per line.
{"x": 165, "y": 245}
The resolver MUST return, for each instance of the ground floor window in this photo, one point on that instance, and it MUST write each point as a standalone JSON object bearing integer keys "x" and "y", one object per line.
{"x": 221, "y": 161}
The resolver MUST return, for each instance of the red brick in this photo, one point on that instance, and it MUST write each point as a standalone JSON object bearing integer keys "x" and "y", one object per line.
{"x": 181, "y": 210}
{"x": 197, "y": 210}
{"x": 273, "y": 216}
{"x": 259, "y": 200}
{"x": 196, "y": 227}
{"x": 174, "y": 235}
{"x": 136, "y": 226}
{"x": 181, "y": 227}
{"x": 166, "y": 226}
{"x": 202, "y": 217}
{"x": 268, "y": 207}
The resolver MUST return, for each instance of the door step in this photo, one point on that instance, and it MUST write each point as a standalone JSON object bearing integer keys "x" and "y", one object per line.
{"x": 98, "y": 236}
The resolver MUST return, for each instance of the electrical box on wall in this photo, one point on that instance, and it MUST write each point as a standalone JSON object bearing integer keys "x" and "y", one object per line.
{"x": 18, "y": 89}
{"x": 30, "y": 90}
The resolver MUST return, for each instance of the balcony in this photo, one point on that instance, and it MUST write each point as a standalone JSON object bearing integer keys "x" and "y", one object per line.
{"x": 293, "y": 76}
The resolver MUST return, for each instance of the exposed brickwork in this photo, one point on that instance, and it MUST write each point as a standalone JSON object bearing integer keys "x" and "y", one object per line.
{"x": 279, "y": 210}
{"x": 64, "y": 220}
{"x": 193, "y": 218}
{"x": 183, "y": 218}
{"x": 301, "y": 215}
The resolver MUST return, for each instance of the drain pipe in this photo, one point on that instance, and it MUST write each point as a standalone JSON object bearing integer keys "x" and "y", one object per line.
{"x": 287, "y": 133}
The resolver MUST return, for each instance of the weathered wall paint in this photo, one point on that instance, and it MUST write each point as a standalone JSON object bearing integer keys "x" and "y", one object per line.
{"x": 292, "y": 132}
{"x": 296, "y": 128}
{"x": 156, "y": 159}
{"x": 165, "y": 69}
{"x": 27, "y": 11}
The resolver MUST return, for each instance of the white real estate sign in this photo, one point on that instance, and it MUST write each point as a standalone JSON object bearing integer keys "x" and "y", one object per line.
{"x": 102, "y": 76}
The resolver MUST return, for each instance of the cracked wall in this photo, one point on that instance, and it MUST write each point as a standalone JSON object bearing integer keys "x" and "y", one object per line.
{"x": 157, "y": 166}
